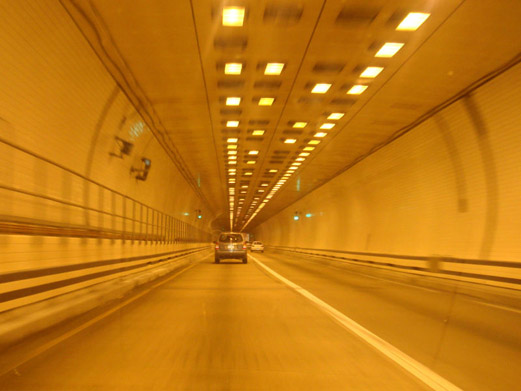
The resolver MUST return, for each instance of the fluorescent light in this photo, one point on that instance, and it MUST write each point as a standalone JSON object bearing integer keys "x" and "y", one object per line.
{"x": 309, "y": 148}
{"x": 253, "y": 152}
{"x": 232, "y": 140}
{"x": 232, "y": 146}
{"x": 233, "y": 16}
{"x": 296, "y": 164}
{"x": 232, "y": 124}
{"x": 273, "y": 68}
{"x": 257, "y": 132}
{"x": 300, "y": 124}
{"x": 304, "y": 154}
{"x": 357, "y": 89}
{"x": 233, "y": 101}
{"x": 320, "y": 134}
{"x": 300, "y": 159}
{"x": 266, "y": 101}
{"x": 273, "y": 170}
{"x": 248, "y": 173}
{"x": 232, "y": 152}
{"x": 320, "y": 88}
{"x": 327, "y": 126}
{"x": 232, "y": 162}
{"x": 290, "y": 141}
{"x": 233, "y": 68}
{"x": 412, "y": 21}
{"x": 231, "y": 173}
{"x": 314, "y": 142}
{"x": 335, "y": 115}
{"x": 251, "y": 162}
{"x": 244, "y": 186}
{"x": 264, "y": 184}
{"x": 371, "y": 72}
{"x": 389, "y": 49}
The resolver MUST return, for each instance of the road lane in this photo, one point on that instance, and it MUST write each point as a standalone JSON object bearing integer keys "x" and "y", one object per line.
{"x": 475, "y": 346}
{"x": 215, "y": 327}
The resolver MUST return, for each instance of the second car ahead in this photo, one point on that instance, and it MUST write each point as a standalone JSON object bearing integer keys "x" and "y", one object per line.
{"x": 231, "y": 245}
{"x": 257, "y": 246}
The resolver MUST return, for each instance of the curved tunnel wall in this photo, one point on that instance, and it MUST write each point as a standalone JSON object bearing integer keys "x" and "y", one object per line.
{"x": 448, "y": 189}
{"x": 65, "y": 199}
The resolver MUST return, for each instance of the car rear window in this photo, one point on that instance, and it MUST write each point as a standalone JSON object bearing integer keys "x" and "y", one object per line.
{"x": 230, "y": 238}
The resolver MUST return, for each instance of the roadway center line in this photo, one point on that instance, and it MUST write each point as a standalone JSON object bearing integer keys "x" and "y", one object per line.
{"x": 420, "y": 371}
{"x": 48, "y": 345}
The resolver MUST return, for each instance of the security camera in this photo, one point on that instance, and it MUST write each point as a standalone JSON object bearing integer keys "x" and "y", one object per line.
{"x": 142, "y": 172}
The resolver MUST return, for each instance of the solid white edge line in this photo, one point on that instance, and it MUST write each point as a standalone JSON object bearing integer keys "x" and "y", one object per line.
{"x": 420, "y": 371}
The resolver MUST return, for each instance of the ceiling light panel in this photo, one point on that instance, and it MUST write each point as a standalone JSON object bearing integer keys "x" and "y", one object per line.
{"x": 290, "y": 141}
{"x": 412, "y": 21}
{"x": 233, "y": 16}
{"x": 232, "y": 140}
{"x": 300, "y": 124}
{"x": 232, "y": 68}
{"x": 320, "y": 88}
{"x": 335, "y": 115}
{"x": 257, "y": 132}
{"x": 320, "y": 134}
{"x": 389, "y": 49}
{"x": 233, "y": 101}
{"x": 266, "y": 101}
{"x": 371, "y": 72}
{"x": 274, "y": 68}
{"x": 327, "y": 126}
{"x": 357, "y": 89}
{"x": 232, "y": 124}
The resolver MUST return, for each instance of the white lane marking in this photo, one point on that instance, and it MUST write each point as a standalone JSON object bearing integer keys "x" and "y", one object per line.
{"x": 497, "y": 306}
{"x": 420, "y": 371}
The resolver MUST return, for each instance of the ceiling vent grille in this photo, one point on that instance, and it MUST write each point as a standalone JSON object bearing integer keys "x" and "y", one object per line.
{"x": 283, "y": 13}
{"x": 356, "y": 16}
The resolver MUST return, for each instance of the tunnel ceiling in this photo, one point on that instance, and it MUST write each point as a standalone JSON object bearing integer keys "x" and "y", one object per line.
{"x": 170, "y": 56}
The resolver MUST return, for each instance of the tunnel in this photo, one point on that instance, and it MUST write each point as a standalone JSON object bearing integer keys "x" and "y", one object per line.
{"x": 260, "y": 195}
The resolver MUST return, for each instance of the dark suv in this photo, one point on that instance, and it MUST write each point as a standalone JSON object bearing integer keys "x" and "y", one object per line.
{"x": 231, "y": 245}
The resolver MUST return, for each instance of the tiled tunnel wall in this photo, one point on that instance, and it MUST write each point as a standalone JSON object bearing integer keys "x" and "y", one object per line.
{"x": 66, "y": 200}
{"x": 447, "y": 190}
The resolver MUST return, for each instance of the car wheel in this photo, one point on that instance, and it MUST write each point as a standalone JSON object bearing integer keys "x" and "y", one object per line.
{"x": 217, "y": 260}
{"x": 245, "y": 260}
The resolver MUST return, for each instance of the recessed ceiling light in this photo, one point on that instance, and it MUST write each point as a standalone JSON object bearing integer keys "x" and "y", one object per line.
{"x": 371, "y": 72}
{"x": 335, "y": 115}
{"x": 232, "y": 152}
{"x": 253, "y": 152}
{"x": 260, "y": 191}
{"x": 314, "y": 142}
{"x": 232, "y": 162}
{"x": 320, "y": 134}
{"x": 300, "y": 124}
{"x": 231, "y": 180}
{"x": 248, "y": 173}
{"x": 290, "y": 141}
{"x": 327, "y": 126}
{"x": 320, "y": 88}
{"x": 300, "y": 159}
{"x": 296, "y": 164}
{"x": 412, "y": 21}
{"x": 273, "y": 170}
{"x": 233, "y": 68}
{"x": 232, "y": 124}
{"x": 231, "y": 173}
{"x": 244, "y": 186}
{"x": 389, "y": 49}
{"x": 257, "y": 132}
{"x": 232, "y": 169}
{"x": 243, "y": 191}
{"x": 264, "y": 184}
{"x": 232, "y": 146}
{"x": 251, "y": 162}
{"x": 233, "y": 16}
{"x": 266, "y": 101}
{"x": 232, "y": 140}
{"x": 309, "y": 148}
{"x": 233, "y": 101}
{"x": 357, "y": 89}
{"x": 273, "y": 68}
{"x": 304, "y": 154}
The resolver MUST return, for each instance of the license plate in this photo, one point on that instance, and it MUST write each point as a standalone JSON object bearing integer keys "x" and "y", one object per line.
{"x": 230, "y": 247}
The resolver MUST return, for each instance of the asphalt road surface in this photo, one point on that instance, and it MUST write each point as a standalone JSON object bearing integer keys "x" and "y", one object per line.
{"x": 234, "y": 326}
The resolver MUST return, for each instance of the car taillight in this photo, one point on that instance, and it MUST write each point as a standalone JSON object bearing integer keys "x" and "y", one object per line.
{"x": 217, "y": 247}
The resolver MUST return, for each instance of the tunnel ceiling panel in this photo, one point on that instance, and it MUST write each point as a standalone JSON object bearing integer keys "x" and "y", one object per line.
{"x": 302, "y": 84}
